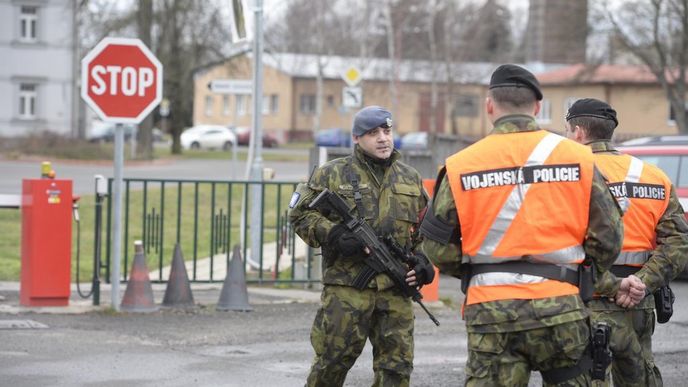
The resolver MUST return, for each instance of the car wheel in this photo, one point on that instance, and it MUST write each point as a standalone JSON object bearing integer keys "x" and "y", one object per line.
{"x": 195, "y": 145}
{"x": 227, "y": 145}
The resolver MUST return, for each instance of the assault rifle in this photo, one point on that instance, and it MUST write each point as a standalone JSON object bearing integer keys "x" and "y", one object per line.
{"x": 380, "y": 259}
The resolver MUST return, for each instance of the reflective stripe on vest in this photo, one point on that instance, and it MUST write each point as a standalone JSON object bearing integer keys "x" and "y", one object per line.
{"x": 632, "y": 258}
{"x": 513, "y": 204}
{"x": 633, "y": 176}
{"x": 500, "y": 240}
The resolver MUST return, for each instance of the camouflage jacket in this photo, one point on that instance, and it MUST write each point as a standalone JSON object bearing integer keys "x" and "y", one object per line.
{"x": 392, "y": 199}
{"x": 602, "y": 244}
{"x": 668, "y": 258}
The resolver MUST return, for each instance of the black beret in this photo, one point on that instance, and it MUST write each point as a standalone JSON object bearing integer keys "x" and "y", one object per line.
{"x": 590, "y": 107}
{"x": 510, "y": 75}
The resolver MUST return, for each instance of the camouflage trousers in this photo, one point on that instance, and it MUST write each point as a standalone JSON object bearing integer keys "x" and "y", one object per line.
{"x": 346, "y": 318}
{"x": 506, "y": 359}
{"x": 631, "y": 345}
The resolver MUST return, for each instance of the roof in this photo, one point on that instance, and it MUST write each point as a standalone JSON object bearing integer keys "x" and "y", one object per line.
{"x": 378, "y": 69}
{"x": 605, "y": 73}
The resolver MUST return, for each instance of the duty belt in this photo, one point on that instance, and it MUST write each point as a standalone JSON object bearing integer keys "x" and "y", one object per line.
{"x": 623, "y": 270}
{"x": 546, "y": 270}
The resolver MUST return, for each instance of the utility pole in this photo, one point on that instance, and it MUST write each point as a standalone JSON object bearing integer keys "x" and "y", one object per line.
{"x": 257, "y": 135}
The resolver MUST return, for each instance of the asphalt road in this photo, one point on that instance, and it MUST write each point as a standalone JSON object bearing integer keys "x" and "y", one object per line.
{"x": 82, "y": 173}
{"x": 266, "y": 347}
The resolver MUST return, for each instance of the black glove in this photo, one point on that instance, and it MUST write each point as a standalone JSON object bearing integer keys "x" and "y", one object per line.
{"x": 344, "y": 241}
{"x": 425, "y": 272}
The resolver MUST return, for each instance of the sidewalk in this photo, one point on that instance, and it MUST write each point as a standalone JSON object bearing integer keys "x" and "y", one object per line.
{"x": 204, "y": 294}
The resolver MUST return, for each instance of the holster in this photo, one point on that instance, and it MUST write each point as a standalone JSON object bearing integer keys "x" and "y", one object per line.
{"x": 601, "y": 354}
{"x": 466, "y": 274}
{"x": 664, "y": 303}
{"x": 586, "y": 280}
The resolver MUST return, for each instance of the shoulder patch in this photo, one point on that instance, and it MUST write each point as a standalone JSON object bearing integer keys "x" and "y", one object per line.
{"x": 294, "y": 199}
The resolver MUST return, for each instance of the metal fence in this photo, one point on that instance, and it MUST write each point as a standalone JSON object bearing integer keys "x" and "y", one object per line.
{"x": 207, "y": 218}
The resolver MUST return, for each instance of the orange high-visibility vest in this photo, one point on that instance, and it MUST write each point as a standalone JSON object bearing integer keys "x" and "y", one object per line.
{"x": 642, "y": 191}
{"x": 521, "y": 196}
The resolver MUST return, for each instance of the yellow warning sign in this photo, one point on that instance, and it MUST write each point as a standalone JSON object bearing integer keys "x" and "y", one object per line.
{"x": 352, "y": 76}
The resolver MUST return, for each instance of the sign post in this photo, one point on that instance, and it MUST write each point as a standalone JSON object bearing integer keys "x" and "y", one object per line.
{"x": 121, "y": 80}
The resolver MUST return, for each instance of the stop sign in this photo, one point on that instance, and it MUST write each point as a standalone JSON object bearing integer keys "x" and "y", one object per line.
{"x": 121, "y": 80}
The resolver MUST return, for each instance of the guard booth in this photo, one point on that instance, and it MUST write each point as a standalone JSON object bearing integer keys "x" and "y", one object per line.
{"x": 46, "y": 248}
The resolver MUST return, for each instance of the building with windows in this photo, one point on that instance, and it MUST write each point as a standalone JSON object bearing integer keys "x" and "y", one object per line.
{"x": 37, "y": 89}
{"x": 633, "y": 91}
{"x": 290, "y": 88}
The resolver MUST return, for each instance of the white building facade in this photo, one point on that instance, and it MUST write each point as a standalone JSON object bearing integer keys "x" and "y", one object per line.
{"x": 37, "y": 63}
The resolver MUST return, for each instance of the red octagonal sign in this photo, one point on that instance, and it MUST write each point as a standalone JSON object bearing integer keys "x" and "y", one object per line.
{"x": 121, "y": 80}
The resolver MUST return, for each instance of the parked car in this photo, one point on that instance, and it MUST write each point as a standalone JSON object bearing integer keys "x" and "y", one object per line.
{"x": 333, "y": 137}
{"x": 657, "y": 140}
{"x": 673, "y": 160}
{"x": 243, "y": 134}
{"x": 414, "y": 140}
{"x": 208, "y": 137}
{"x": 105, "y": 132}
{"x": 101, "y": 132}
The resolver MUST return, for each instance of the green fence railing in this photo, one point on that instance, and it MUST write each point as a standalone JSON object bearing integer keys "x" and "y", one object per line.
{"x": 207, "y": 218}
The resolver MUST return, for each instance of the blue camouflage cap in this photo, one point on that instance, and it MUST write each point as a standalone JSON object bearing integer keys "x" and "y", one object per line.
{"x": 369, "y": 118}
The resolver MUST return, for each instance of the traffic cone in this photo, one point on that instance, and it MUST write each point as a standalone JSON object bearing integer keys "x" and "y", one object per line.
{"x": 178, "y": 291}
{"x": 234, "y": 295}
{"x": 139, "y": 294}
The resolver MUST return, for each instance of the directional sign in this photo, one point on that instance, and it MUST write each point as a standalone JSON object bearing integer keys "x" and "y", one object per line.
{"x": 231, "y": 86}
{"x": 121, "y": 80}
{"x": 352, "y": 97}
{"x": 351, "y": 75}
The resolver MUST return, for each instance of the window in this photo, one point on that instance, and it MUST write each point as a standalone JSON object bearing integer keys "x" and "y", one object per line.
{"x": 544, "y": 116}
{"x": 225, "y": 105}
{"x": 27, "y": 101}
{"x": 307, "y": 104}
{"x": 568, "y": 102}
{"x": 330, "y": 101}
{"x": 270, "y": 104}
{"x": 208, "y": 105}
{"x": 672, "y": 114}
{"x": 274, "y": 103}
{"x": 266, "y": 105}
{"x": 466, "y": 105}
{"x": 242, "y": 105}
{"x": 28, "y": 18}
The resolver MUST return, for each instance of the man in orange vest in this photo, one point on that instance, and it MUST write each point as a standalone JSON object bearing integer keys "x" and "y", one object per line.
{"x": 655, "y": 245}
{"x": 520, "y": 216}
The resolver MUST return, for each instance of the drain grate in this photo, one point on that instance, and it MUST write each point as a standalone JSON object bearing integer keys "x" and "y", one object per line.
{"x": 21, "y": 324}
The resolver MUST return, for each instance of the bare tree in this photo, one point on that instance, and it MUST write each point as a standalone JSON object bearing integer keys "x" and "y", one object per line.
{"x": 656, "y": 32}
{"x": 144, "y": 21}
{"x": 183, "y": 34}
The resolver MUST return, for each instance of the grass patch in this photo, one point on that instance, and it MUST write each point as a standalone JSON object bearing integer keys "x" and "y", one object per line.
{"x": 242, "y": 155}
{"x": 207, "y": 220}
{"x": 54, "y": 146}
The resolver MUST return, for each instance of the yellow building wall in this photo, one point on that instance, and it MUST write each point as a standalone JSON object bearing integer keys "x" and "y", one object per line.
{"x": 274, "y": 83}
{"x": 642, "y": 110}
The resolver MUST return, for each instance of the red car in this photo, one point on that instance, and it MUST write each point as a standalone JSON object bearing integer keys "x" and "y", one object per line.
{"x": 243, "y": 134}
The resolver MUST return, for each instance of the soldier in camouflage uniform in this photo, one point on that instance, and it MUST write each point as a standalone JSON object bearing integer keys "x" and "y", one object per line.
{"x": 632, "y": 321}
{"x": 510, "y": 336}
{"x": 391, "y": 199}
